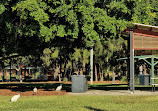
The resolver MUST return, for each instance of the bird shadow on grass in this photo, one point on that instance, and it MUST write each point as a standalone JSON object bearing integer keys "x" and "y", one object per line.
{"x": 94, "y": 109}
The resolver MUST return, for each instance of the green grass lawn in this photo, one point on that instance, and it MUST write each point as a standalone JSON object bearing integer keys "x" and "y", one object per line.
{"x": 80, "y": 103}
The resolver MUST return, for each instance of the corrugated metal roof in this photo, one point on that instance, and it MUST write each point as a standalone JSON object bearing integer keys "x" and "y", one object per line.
{"x": 145, "y": 25}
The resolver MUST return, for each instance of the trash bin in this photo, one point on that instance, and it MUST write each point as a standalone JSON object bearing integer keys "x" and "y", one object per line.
{"x": 79, "y": 84}
{"x": 144, "y": 79}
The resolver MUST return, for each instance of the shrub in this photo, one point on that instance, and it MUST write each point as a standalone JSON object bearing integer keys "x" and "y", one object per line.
{"x": 65, "y": 79}
{"x": 136, "y": 79}
{"x": 124, "y": 79}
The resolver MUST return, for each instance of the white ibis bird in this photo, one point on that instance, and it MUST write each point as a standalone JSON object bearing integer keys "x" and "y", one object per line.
{"x": 35, "y": 91}
{"x": 15, "y": 98}
{"x": 59, "y": 88}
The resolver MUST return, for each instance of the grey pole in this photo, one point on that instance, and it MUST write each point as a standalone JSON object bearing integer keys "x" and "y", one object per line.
{"x": 131, "y": 62}
{"x": 91, "y": 63}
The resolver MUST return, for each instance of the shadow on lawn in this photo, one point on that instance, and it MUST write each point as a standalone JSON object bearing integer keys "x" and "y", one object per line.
{"x": 29, "y": 87}
{"x": 23, "y": 87}
{"x": 94, "y": 109}
{"x": 107, "y": 87}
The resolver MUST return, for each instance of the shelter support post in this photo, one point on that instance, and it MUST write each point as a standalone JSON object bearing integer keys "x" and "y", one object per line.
{"x": 128, "y": 69}
{"x": 131, "y": 62}
{"x": 152, "y": 70}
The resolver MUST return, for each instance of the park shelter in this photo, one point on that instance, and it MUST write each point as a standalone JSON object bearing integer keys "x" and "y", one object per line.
{"x": 8, "y": 69}
{"x": 25, "y": 71}
{"x": 153, "y": 61}
{"x": 142, "y": 37}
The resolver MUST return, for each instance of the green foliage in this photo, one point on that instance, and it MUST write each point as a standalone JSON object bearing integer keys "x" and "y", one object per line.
{"x": 99, "y": 52}
{"x": 65, "y": 79}
{"x": 143, "y": 12}
{"x": 136, "y": 79}
{"x": 55, "y": 53}
{"x": 85, "y": 55}
{"x": 46, "y": 58}
{"x": 17, "y": 60}
{"x": 124, "y": 79}
{"x": 46, "y": 32}
{"x": 94, "y": 21}
{"x": 76, "y": 54}
{"x": 2, "y": 8}
{"x": 35, "y": 7}
{"x": 35, "y": 75}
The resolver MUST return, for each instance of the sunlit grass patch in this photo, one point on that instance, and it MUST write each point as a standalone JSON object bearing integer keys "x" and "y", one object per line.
{"x": 80, "y": 103}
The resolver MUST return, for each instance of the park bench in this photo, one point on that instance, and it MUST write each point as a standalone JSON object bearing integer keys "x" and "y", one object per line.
{"x": 153, "y": 85}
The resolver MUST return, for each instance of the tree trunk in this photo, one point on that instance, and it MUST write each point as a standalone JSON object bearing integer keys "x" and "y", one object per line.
{"x": 119, "y": 73}
{"x": 64, "y": 69}
{"x": 107, "y": 70}
{"x": 84, "y": 68}
{"x": 96, "y": 75}
{"x": 78, "y": 71}
{"x": 113, "y": 74}
{"x": 60, "y": 70}
{"x": 72, "y": 67}
{"x": 126, "y": 72}
{"x": 20, "y": 75}
{"x": 59, "y": 77}
{"x": 19, "y": 71}
{"x": 56, "y": 71}
{"x": 59, "y": 74}
{"x": 101, "y": 74}
{"x": 81, "y": 72}
{"x": 70, "y": 75}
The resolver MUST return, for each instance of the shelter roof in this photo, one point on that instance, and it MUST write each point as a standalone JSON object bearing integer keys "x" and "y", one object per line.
{"x": 145, "y": 37}
{"x": 143, "y": 25}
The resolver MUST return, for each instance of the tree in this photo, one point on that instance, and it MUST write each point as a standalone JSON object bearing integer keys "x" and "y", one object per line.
{"x": 55, "y": 57}
{"x": 143, "y": 12}
{"x": 99, "y": 54}
{"x": 46, "y": 58}
{"x": 30, "y": 26}
{"x": 85, "y": 59}
{"x": 76, "y": 57}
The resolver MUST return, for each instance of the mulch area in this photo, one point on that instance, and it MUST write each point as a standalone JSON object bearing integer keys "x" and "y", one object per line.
{"x": 40, "y": 92}
{"x": 54, "y": 82}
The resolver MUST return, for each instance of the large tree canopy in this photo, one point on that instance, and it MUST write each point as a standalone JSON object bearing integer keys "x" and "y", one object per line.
{"x": 83, "y": 20}
{"x": 67, "y": 26}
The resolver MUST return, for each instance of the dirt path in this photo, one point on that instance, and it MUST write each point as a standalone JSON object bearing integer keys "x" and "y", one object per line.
{"x": 115, "y": 92}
